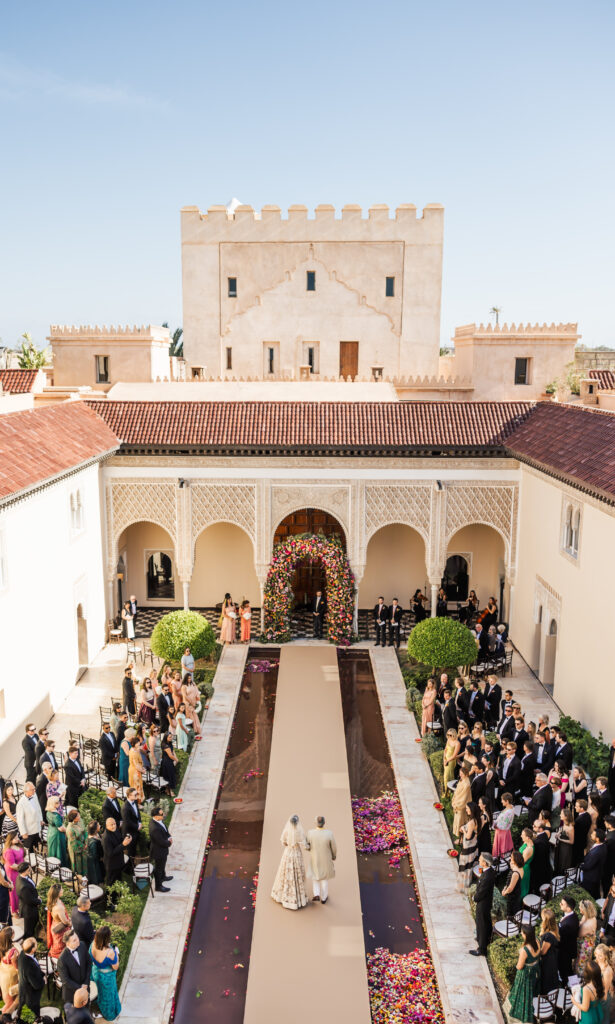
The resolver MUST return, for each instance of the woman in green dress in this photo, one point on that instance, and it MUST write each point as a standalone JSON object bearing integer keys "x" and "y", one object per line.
{"x": 77, "y": 843}
{"x": 526, "y": 985}
{"x": 591, "y": 995}
{"x": 527, "y": 852}
{"x": 56, "y": 832}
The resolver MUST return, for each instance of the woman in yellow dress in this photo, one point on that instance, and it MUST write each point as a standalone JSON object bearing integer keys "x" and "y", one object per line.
{"x": 461, "y": 798}
{"x": 135, "y": 768}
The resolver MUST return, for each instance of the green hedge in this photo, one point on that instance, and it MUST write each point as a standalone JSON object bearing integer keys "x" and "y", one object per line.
{"x": 591, "y": 753}
{"x": 445, "y": 644}
{"x": 178, "y": 630}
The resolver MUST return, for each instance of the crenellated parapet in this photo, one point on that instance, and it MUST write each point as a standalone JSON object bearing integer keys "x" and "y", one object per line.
{"x": 324, "y": 213}
{"x": 144, "y": 332}
{"x": 514, "y": 331}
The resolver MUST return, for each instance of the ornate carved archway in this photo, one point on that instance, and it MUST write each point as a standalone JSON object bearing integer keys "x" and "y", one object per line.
{"x": 340, "y": 587}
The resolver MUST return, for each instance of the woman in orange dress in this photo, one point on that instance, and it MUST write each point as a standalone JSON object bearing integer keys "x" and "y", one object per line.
{"x": 135, "y": 767}
{"x": 176, "y": 689}
{"x": 191, "y": 697}
{"x": 57, "y": 921}
{"x": 245, "y": 613}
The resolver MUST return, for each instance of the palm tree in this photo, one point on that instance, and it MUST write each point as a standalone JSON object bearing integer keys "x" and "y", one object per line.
{"x": 495, "y": 311}
{"x": 30, "y": 357}
{"x": 176, "y": 348}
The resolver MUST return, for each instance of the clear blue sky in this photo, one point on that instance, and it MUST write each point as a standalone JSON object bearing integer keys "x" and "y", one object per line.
{"x": 114, "y": 115}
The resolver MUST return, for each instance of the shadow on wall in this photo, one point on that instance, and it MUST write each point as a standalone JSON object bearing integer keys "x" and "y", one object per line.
{"x": 11, "y": 752}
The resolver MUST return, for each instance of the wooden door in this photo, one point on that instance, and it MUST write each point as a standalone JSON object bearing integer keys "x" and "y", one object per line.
{"x": 349, "y": 359}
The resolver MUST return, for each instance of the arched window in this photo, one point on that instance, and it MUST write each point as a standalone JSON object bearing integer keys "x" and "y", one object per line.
{"x": 574, "y": 532}
{"x": 568, "y": 529}
{"x": 571, "y": 528}
{"x": 76, "y": 511}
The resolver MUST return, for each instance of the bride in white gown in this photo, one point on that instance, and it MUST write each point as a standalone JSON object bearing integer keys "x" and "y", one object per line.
{"x": 289, "y": 886}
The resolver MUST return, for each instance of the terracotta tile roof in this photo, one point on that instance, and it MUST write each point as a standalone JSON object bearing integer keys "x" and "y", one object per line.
{"x": 574, "y": 443}
{"x": 17, "y": 382}
{"x": 327, "y": 426}
{"x": 39, "y": 444}
{"x": 605, "y": 378}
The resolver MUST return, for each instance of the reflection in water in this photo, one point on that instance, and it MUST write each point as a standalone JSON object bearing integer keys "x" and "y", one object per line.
{"x": 391, "y": 916}
{"x": 214, "y": 974}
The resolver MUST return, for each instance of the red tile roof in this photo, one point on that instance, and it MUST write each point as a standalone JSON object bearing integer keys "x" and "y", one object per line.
{"x": 39, "y": 444}
{"x": 17, "y": 382}
{"x": 573, "y": 443}
{"x": 605, "y": 378}
{"x": 312, "y": 426}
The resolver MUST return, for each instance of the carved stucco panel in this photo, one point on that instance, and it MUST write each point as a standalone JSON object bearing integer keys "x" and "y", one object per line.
{"x": 138, "y": 501}
{"x": 490, "y": 504}
{"x": 224, "y": 503}
{"x": 333, "y": 499}
{"x": 409, "y": 504}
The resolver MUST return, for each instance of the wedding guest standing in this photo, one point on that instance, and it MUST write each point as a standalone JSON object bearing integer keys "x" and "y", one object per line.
{"x": 9, "y": 810}
{"x": 449, "y": 757}
{"x": 527, "y": 852}
{"x": 28, "y": 744}
{"x": 168, "y": 763}
{"x": 31, "y": 979}
{"x": 549, "y": 949}
{"x": 418, "y": 606}
{"x": 604, "y": 959}
{"x": 13, "y": 856}
{"x": 568, "y": 933}
{"x": 502, "y": 840}
{"x": 8, "y": 972}
{"x": 187, "y": 663}
{"x": 147, "y": 702}
{"x": 469, "y": 846}
{"x": 128, "y": 622}
{"x": 105, "y": 962}
{"x": 74, "y": 967}
{"x": 81, "y": 921}
{"x": 192, "y": 699}
{"x": 587, "y": 934}
{"x": 5, "y": 898}
{"x": 526, "y": 985}
{"x": 29, "y": 900}
{"x": 461, "y": 798}
{"x": 483, "y": 898}
{"x": 591, "y": 995}
{"x": 96, "y": 866}
{"x": 245, "y": 613}
{"x": 428, "y": 702}
{"x": 114, "y": 845}
{"x": 512, "y": 889}
{"x": 56, "y": 832}
{"x": 77, "y": 841}
{"x": 57, "y": 921}
{"x": 136, "y": 770}
{"x": 160, "y": 843}
{"x": 29, "y": 817}
{"x": 108, "y": 747}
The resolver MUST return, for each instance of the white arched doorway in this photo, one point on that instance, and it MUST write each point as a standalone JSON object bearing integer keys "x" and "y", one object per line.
{"x": 148, "y": 553}
{"x": 537, "y": 640}
{"x": 308, "y": 577}
{"x": 547, "y": 674}
{"x": 223, "y": 563}
{"x": 394, "y": 565}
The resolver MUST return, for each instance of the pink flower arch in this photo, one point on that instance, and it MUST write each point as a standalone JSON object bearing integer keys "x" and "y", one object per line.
{"x": 340, "y": 587}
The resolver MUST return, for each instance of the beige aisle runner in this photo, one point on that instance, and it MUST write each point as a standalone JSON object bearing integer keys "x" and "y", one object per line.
{"x": 308, "y": 965}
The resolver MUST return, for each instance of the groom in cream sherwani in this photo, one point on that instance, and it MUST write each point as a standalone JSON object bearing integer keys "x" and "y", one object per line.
{"x": 321, "y": 844}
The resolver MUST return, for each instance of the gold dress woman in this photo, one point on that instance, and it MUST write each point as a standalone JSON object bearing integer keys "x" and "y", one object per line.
{"x": 229, "y": 621}
{"x": 461, "y": 798}
{"x": 289, "y": 886}
{"x": 135, "y": 768}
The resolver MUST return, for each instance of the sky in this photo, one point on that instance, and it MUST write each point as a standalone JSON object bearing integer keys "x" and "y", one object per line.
{"x": 113, "y": 116}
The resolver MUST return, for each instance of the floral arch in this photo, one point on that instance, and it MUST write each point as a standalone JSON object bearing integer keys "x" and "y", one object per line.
{"x": 340, "y": 587}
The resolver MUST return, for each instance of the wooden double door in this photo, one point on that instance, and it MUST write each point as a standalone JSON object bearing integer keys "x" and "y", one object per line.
{"x": 308, "y": 576}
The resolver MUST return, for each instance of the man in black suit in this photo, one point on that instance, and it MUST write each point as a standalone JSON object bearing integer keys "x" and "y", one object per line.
{"x": 28, "y": 745}
{"x": 381, "y": 615}
{"x": 122, "y": 726}
{"x": 39, "y": 749}
{"x": 476, "y": 703}
{"x": 31, "y": 979}
{"x": 82, "y": 922}
{"x": 128, "y": 693}
{"x": 29, "y": 899}
{"x": 74, "y": 966}
{"x": 542, "y": 799}
{"x": 49, "y": 754}
{"x": 593, "y": 865}
{"x": 74, "y": 777}
{"x": 449, "y": 713}
{"x": 563, "y": 750}
{"x": 582, "y": 825}
{"x": 520, "y": 735}
{"x": 609, "y": 842}
{"x": 482, "y": 640}
{"x": 507, "y": 700}
{"x": 510, "y": 770}
{"x": 461, "y": 698}
{"x": 492, "y": 698}
{"x": 528, "y": 765}
{"x": 607, "y": 918}
{"x": 395, "y": 617}
{"x": 131, "y": 821}
{"x": 77, "y": 1012}
{"x": 114, "y": 845}
{"x": 319, "y": 610}
{"x": 568, "y": 934}
{"x": 540, "y": 868}
{"x": 506, "y": 726}
{"x": 606, "y": 804}
{"x": 111, "y": 806}
{"x": 41, "y": 787}
{"x": 545, "y": 752}
{"x": 483, "y": 898}
{"x": 478, "y": 782}
{"x": 109, "y": 750}
{"x": 163, "y": 703}
{"x": 159, "y": 843}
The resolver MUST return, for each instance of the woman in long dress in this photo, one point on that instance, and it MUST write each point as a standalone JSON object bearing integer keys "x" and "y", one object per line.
{"x": 56, "y": 832}
{"x": 128, "y": 622}
{"x": 289, "y": 886}
{"x": 229, "y": 617}
{"x": 77, "y": 840}
{"x": 13, "y": 856}
{"x": 245, "y": 613}
{"x": 428, "y": 702}
{"x": 105, "y": 962}
{"x": 461, "y": 798}
{"x": 135, "y": 767}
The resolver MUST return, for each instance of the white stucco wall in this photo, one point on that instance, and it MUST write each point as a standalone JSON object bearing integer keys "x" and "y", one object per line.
{"x": 49, "y": 571}
{"x": 581, "y": 590}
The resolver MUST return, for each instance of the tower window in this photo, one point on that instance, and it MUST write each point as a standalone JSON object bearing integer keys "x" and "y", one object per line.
{"x": 232, "y": 287}
{"x": 389, "y": 288}
{"x": 102, "y": 369}
{"x": 270, "y": 359}
{"x": 229, "y": 359}
{"x": 311, "y": 281}
{"x": 522, "y": 371}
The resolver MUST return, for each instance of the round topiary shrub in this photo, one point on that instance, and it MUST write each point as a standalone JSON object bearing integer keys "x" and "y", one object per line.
{"x": 443, "y": 644}
{"x": 179, "y": 630}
